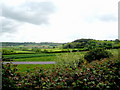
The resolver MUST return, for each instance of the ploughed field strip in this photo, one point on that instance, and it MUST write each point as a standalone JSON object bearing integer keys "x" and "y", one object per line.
{"x": 50, "y": 62}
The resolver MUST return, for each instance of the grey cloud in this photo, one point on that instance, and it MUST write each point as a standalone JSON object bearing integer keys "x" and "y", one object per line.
{"x": 8, "y": 25}
{"x": 32, "y": 12}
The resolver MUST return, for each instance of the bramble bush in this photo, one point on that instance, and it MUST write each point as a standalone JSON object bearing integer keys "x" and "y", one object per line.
{"x": 9, "y": 76}
{"x": 97, "y": 54}
{"x": 103, "y": 74}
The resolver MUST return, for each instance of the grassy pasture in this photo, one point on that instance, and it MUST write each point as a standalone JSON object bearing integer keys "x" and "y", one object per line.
{"x": 39, "y": 57}
{"x": 47, "y": 58}
{"x": 19, "y": 56}
{"x": 31, "y": 67}
{"x": 60, "y": 58}
{"x": 24, "y": 52}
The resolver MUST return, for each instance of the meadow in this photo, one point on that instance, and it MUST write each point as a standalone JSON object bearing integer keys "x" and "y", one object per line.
{"x": 57, "y": 57}
{"x": 29, "y": 57}
{"x": 60, "y": 59}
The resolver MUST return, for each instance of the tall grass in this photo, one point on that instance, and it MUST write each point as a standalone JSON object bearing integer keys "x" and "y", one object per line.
{"x": 71, "y": 59}
{"x": 116, "y": 53}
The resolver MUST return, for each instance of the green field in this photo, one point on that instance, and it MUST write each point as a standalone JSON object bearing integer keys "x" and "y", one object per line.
{"x": 32, "y": 67}
{"x": 48, "y": 58}
{"x": 37, "y": 57}
{"x": 17, "y": 56}
{"x": 60, "y": 58}
{"x": 31, "y": 57}
{"x": 24, "y": 52}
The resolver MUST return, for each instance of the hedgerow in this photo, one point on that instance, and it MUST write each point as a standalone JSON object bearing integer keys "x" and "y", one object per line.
{"x": 97, "y": 54}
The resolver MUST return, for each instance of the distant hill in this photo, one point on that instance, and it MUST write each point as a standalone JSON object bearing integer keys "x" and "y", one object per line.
{"x": 92, "y": 43}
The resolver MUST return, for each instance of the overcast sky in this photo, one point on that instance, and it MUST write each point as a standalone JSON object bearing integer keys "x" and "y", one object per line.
{"x": 58, "y": 20}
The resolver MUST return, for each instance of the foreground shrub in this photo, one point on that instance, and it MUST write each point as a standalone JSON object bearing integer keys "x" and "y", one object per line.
{"x": 103, "y": 74}
{"x": 9, "y": 76}
{"x": 97, "y": 54}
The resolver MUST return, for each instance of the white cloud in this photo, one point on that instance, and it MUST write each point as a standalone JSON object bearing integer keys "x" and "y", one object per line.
{"x": 72, "y": 20}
